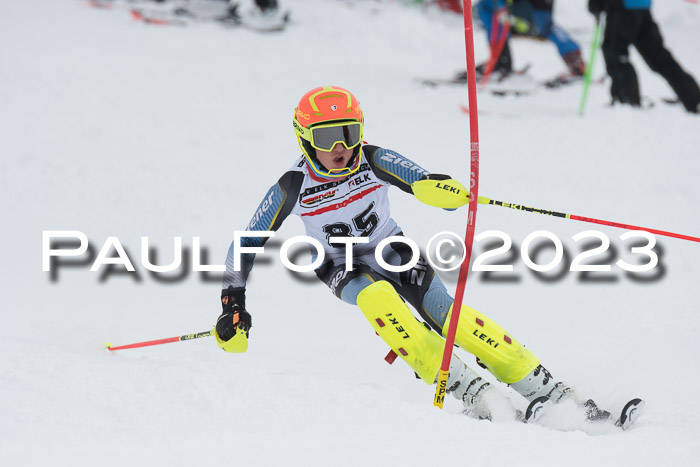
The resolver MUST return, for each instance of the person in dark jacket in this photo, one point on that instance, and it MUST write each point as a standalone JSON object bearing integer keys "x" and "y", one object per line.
{"x": 629, "y": 22}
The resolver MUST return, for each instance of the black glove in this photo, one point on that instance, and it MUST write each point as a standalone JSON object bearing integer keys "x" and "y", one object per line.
{"x": 596, "y": 6}
{"x": 234, "y": 314}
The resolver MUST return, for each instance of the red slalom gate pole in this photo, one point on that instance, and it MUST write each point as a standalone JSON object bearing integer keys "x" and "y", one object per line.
{"x": 167, "y": 340}
{"x": 444, "y": 373}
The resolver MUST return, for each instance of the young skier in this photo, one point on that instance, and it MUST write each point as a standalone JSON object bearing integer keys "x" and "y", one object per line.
{"x": 532, "y": 18}
{"x": 629, "y": 22}
{"x": 338, "y": 187}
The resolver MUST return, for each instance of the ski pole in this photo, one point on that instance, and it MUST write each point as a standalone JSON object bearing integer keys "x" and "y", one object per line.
{"x": 444, "y": 373}
{"x": 167, "y": 340}
{"x": 520, "y": 207}
{"x": 595, "y": 45}
{"x": 496, "y": 51}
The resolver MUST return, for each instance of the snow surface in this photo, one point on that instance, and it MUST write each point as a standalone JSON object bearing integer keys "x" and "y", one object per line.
{"x": 114, "y": 128}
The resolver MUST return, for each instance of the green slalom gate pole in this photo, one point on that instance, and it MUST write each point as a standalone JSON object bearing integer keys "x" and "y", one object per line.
{"x": 595, "y": 45}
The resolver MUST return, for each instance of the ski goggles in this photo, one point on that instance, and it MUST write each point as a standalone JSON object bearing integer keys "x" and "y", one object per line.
{"x": 325, "y": 137}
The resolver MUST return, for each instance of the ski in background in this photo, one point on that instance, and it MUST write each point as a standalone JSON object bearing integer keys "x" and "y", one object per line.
{"x": 102, "y": 4}
{"x": 517, "y": 82}
{"x": 176, "y": 13}
{"x": 183, "y": 17}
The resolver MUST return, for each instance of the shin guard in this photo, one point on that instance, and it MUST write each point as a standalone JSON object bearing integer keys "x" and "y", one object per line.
{"x": 500, "y": 353}
{"x": 396, "y": 325}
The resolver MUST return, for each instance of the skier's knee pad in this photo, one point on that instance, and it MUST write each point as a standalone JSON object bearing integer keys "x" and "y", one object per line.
{"x": 500, "y": 353}
{"x": 408, "y": 338}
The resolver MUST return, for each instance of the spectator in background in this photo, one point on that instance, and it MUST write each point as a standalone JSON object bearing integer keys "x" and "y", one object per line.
{"x": 629, "y": 22}
{"x": 531, "y": 18}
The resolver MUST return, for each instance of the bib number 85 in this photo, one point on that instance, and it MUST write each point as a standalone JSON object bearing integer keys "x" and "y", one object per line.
{"x": 365, "y": 223}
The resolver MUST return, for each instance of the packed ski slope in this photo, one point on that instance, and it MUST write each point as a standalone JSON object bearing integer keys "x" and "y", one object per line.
{"x": 117, "y": 129}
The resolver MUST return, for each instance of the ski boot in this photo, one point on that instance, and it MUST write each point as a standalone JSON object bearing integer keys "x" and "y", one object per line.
{"x": 575, "y": 63}
{"x": 501, "y": 70}
{"x": 540, "y": 383}
{"x": 481, "y": 400}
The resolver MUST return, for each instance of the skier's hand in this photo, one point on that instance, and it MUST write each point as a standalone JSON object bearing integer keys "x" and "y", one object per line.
{"x": 502, "y": 15}
{"x": 596, "y": 7}
{"x": 440, "y": 191}
{"x": 233, "y": 326}
{"x": 229, "y": 322}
